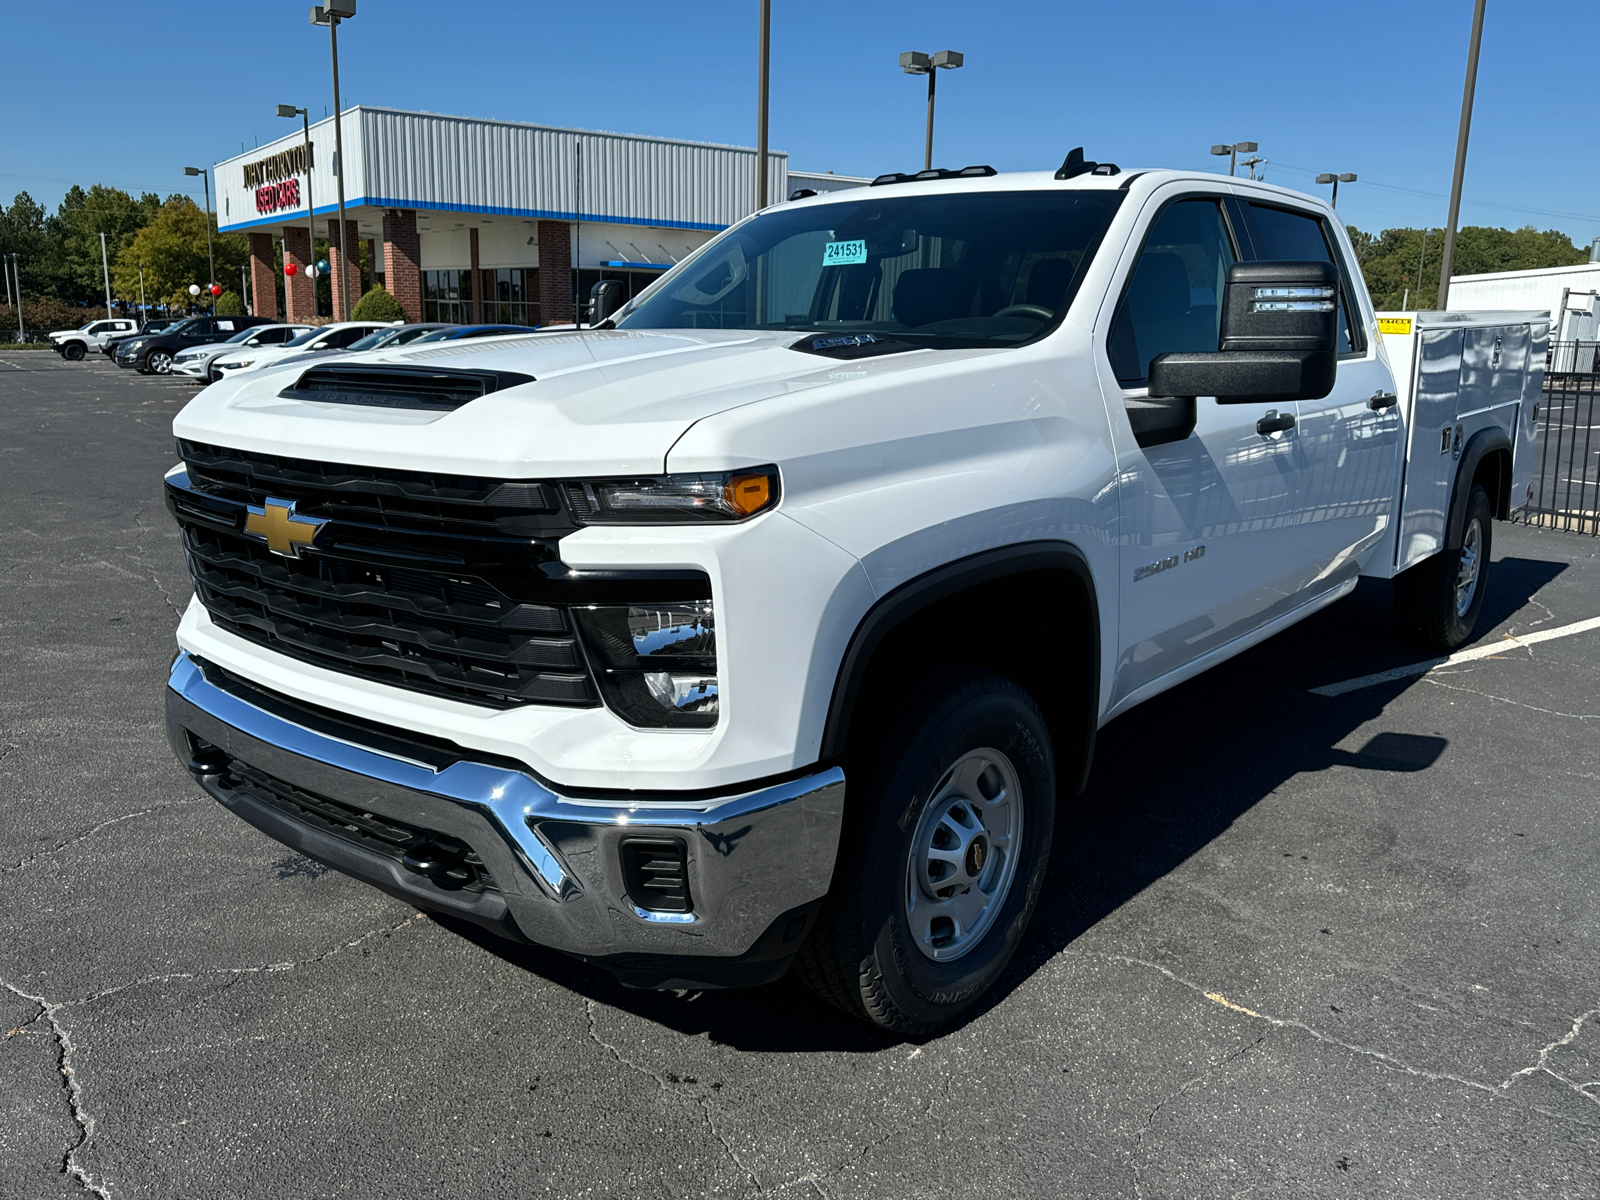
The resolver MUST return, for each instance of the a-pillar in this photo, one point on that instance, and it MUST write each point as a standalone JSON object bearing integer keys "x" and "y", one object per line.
{"x": 263, "y": 279}
{"x": 402, "y": 261}
{"x": 299, "y": 296}
{"x": 555, "y": 273}
{"x": 351, "y": 262}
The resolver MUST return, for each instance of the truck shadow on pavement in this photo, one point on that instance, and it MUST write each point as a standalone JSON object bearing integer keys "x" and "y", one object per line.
{"x": 1168, "y": 779}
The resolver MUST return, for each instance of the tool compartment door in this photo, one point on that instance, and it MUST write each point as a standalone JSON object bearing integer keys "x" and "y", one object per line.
{"x": 1430, "y": 465}
{"x": 1526, "y": 441}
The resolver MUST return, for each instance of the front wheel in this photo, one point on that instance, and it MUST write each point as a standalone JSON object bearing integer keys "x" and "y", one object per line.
{"x": 159, "y": 362}
{"x": 1437, "y": 602}
{"x": 72, "y": 351}
{"x": 942, "y": 856}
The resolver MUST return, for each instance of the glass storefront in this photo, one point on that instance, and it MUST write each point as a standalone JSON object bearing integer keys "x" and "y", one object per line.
{"x": 447, "y": 296}
{"x": 516, "y": 296}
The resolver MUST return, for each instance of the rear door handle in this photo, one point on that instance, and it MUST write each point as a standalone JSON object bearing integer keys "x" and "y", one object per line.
{"x": 1382, "y": 399}
{"x": 1274, "y": 422}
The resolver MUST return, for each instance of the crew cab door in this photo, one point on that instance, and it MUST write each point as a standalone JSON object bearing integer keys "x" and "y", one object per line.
{"x": 1348, "y": 451}
{"x": 1204, "y": 537}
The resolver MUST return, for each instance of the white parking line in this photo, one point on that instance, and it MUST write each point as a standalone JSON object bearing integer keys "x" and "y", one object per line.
{"x": 1486, "y": 651}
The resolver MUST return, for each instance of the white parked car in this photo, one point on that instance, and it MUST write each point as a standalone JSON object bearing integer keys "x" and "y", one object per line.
{"x": 73, "y": 344}
{"x": 195, "y": 362}
{"x": 768, "y": 623}
{"x": 319, "y": 340}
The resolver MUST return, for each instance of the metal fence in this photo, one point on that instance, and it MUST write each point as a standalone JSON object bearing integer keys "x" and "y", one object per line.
{"x": 1566, "y": 477}
{"x": 1572, "y": 358}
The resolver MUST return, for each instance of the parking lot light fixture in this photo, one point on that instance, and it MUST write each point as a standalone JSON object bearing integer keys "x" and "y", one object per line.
{"x": 915, "y": 62}
{"x": 1336, "y": 180}
{"x": 211, "y": 262}
{"x": 330, "y": 14}
{"x": 1233, "y": 153}
{"x": 290, "y": 111}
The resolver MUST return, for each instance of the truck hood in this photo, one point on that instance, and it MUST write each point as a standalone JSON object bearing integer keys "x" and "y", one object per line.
{"x": 602, "y": 402}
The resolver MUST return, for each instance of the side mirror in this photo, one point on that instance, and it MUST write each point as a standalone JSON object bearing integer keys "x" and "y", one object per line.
{"x": 1279, "y": 339}
{"x": 605, "y": 298}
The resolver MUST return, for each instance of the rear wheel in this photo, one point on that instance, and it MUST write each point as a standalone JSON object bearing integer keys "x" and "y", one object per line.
{"x": 942, "y": 856}
{"x": 72, "y": 351}
{"x": 159, "y": 362}
{"x": 1437, "y": 602}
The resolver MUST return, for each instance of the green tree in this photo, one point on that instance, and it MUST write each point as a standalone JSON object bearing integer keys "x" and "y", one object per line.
{"x": 172, "y": 250}
{"x": 230, "y": 304}
{"x": 1398, "y": 261}
{"x": 75, "y": 229}
{"x": 377, "y": 305}
{"x": 22, "y": 232}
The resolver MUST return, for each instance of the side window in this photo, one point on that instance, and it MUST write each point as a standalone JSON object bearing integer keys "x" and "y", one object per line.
{"x": 340, "y": 338}
{"x": 1172, "y": 300}
{"x": 1279, "y": 233}
{"x": 98, "y": 327}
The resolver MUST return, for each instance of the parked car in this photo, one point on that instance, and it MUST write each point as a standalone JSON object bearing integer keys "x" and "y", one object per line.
{"x": 394, "y": 336}
{"x": 152, "y": 354}
{"x": 320, "y": 340}
{"x": 768, "y": 626}
{"x": 73, "y": 344}
{"x": 453, "y": 333}
{"x": 153, "y": 325}
{"x": 196, "y": 361}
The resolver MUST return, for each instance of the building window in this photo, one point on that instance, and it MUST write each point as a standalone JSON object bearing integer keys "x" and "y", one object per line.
{"x": 516, "y": 296}
{"x": 447, "y": 296}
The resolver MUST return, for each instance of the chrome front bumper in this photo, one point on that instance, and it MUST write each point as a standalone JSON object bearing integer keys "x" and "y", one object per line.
{"x": 759, "y": 862}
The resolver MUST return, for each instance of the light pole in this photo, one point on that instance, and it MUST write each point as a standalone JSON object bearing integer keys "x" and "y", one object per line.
{"x": 764, "y": 65}
{"x": 211, "y": 262}
{"x": 16, "y": 270}
{"x": 141, "y": 292}
{"x": 331, "y": 14}
{"x": 1461, "y": 157}
{"x": 914, "y": 62}
{"x": 290, "y": 111}
{"x": 1233, "y": 153}
{"x": 1336, "y": 180}
{"x": 107, "y": 271}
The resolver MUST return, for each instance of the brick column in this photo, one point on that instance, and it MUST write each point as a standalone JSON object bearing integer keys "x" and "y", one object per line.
{"x": 299, "y": 298}
{"x": 263, "y": 279}
{"x": 352, "y": 264}
{"x": 555, "y": 272}
{"x": 402, "y": 261}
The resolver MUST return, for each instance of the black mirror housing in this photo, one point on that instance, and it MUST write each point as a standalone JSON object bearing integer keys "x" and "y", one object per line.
{"x": 1278, "y": 341}
{"x": 605, "y": 297}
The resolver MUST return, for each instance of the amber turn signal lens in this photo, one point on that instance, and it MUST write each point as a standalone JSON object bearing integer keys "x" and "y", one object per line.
{"x": 747, "y": 494}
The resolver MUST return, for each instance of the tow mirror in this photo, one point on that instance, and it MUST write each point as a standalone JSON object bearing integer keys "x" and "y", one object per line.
{"x": 605, "y": 298}
{"x": 1278, "y": 342}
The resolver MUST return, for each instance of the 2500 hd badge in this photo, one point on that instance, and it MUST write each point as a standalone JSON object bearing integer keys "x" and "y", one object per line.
{"x": 1166, "y": 564}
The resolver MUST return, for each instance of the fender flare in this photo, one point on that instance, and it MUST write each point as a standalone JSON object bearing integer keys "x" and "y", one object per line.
{"x": 941, "y": 583}
{"x": 1482, "y": 444}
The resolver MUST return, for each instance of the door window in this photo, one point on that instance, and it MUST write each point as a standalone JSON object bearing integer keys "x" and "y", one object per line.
{"x": 1172, "y": 300}
{"x": 1279, "y": 233}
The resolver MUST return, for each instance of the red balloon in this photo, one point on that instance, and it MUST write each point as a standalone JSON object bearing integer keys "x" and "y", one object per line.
{"x": 216, "y": 289}
{"x": 290, "y": 269}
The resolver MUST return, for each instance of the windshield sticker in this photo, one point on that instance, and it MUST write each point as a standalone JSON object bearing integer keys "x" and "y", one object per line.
{"x": 838, "y": 254}
{"x": 224, "y": 324}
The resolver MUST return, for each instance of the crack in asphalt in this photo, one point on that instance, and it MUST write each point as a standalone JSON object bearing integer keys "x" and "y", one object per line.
{"x": 675, "y": 1090}
{"x": 1150, "y": 1118}
{"x": 1549, "y": 712}
{"x": 88, "y": 833}
{"x": 1542, "y": 1063}
{"x": 139, "y": 557}
{"x": 66, "y": 1048}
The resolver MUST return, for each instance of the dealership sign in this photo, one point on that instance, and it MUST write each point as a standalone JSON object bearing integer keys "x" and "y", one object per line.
{"x": 273, "y": 178}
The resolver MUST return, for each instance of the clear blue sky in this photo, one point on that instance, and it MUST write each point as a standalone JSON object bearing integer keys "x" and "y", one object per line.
{"x": 128, "y": 95}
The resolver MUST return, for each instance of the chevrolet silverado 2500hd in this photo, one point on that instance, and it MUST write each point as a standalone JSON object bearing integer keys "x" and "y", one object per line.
{"x": 767, "y": 622}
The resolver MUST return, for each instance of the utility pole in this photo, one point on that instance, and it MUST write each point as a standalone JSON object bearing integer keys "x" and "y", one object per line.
{"x": 16, "y": 269}
{"x": 107, "y": 272}
{"x": 764, "y": 70}
{"x": 1461, "y": 156}
{"x": 330, "y": 15}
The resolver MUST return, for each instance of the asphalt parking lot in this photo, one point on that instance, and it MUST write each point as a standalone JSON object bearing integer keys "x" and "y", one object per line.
{"x": 1294, "y": 944}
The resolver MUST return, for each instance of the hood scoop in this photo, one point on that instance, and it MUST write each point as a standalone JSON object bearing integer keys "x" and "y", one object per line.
{"x": 853, "y": 345}
{"x": 428, "y": 389}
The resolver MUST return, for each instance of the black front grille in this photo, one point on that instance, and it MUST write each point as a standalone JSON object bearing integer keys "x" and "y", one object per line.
{"x": 444, "y": 584}
{"x": 448, "y": 862}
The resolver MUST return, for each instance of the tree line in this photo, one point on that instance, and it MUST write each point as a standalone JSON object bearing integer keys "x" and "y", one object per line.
{"x": 1401, "y": 266}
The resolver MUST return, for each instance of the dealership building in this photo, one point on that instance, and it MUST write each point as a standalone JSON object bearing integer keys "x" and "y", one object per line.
{"x": 471, "y": 220}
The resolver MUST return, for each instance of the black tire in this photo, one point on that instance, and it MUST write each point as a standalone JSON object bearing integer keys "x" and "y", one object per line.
{"x": 72, "y": 351}
{"x": 158, "y": 362}
{"x": 1428, "y": 597}
{"x": 862, "y": 954}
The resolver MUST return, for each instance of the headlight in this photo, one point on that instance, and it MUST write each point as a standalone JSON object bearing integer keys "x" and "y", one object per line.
{"x": 657, "y": 662}
{"x": 235, "y": 365}
{"x": 675, "y": 499}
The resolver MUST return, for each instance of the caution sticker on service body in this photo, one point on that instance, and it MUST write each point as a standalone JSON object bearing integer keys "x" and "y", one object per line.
{"x": 1395, "y": 325}
{"x": 838, "y": 254}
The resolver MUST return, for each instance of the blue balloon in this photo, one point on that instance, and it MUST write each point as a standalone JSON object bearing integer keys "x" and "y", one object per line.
{"x": 322, "y": 267}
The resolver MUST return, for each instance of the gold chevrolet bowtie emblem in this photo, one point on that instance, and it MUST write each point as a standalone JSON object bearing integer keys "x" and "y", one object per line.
{"x": 285, "y": 531}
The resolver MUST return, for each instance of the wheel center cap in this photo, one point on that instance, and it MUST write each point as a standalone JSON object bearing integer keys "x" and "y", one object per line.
{"x": 977, "y": 854}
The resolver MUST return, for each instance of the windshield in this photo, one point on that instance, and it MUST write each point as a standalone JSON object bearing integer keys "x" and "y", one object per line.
{"x": 180, "y": 327}
{"x": 965, "y": 269}
{"x": 243, "y": 335}
{"x": 302, "y": 339}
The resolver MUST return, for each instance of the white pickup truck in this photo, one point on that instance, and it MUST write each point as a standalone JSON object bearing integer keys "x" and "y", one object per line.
{"x": 768, "y": 622}
{"x": 73, "y": 344}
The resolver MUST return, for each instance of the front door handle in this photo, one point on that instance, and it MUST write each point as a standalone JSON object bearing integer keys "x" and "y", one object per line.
{"x": 1274, "y": 422}
{"x": 1382, "y": 399}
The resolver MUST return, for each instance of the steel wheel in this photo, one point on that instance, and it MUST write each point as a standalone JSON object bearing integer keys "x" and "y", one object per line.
{"x": 1467, "y": 569}
{"x": 964, "y": 855}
